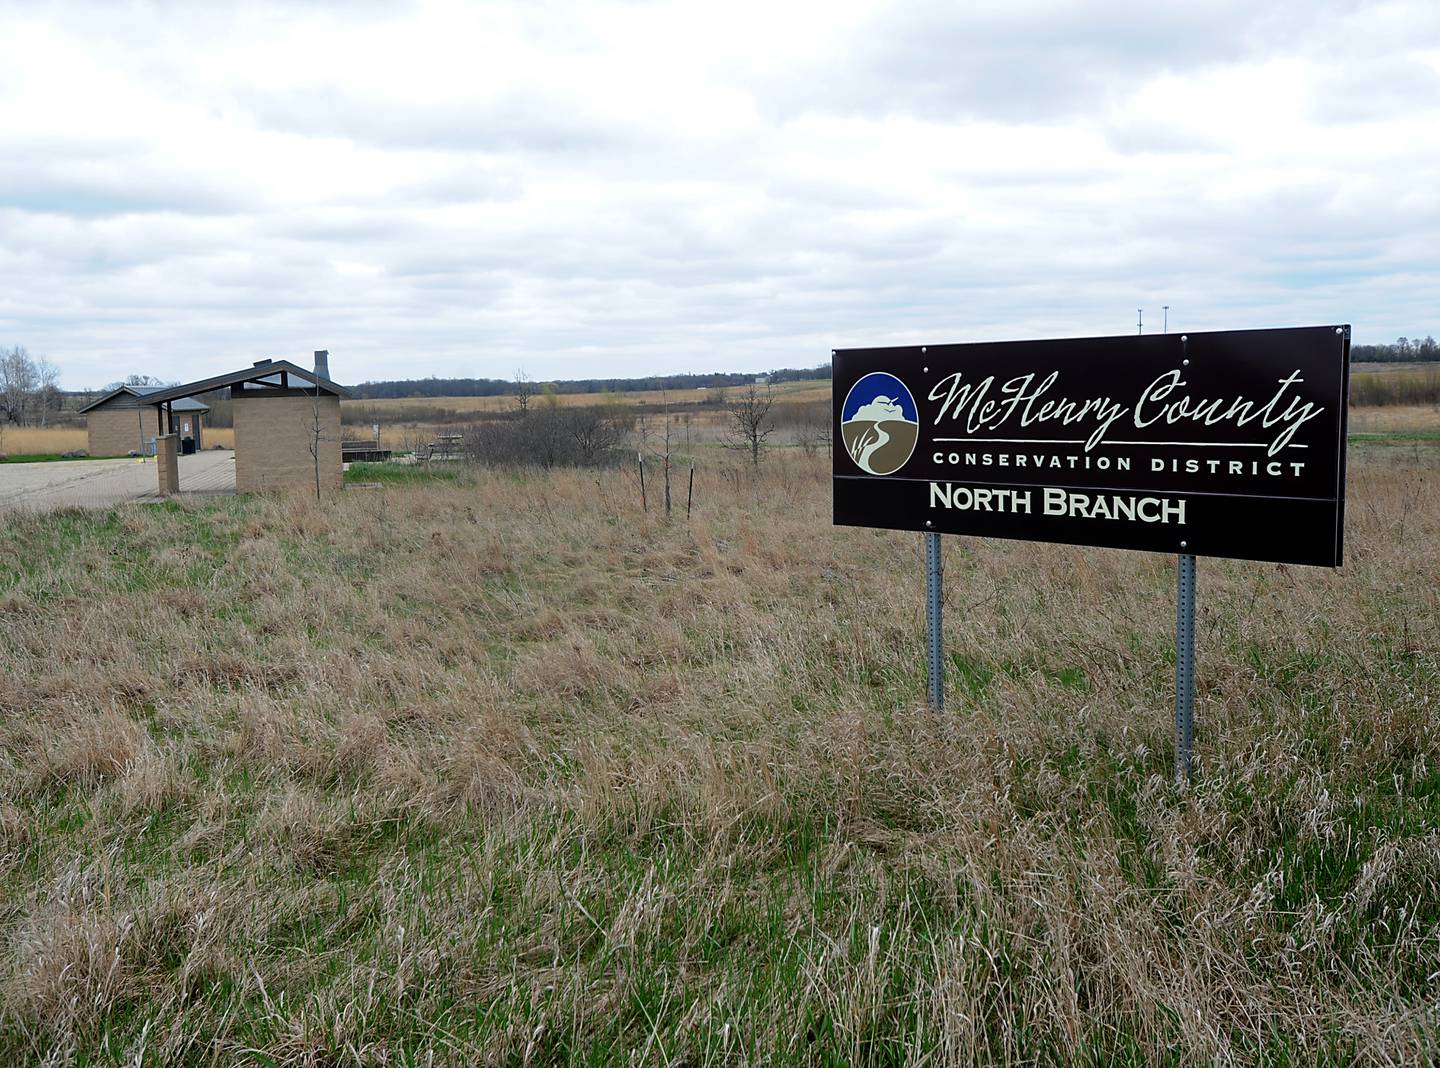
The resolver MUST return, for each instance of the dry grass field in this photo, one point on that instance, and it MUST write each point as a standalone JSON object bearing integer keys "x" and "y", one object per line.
{"x": 30, "y": 441}
{"x": 501, "y": 770}
{"x": 222, "y": 436}
{"x": 1396, "y": 419}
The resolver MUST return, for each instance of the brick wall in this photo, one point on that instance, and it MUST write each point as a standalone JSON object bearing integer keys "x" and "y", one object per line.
{"x": 272, "y": 443}
{"x": 167, "y": 464}
{"x": 117, "y": 432}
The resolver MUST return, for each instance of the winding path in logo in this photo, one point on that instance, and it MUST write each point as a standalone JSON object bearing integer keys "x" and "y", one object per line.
{"x": 868, "y": 445}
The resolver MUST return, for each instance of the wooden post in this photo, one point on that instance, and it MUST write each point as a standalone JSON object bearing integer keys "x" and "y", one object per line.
{"x": 644, "y": 503}
{"x": 690, "y": 493}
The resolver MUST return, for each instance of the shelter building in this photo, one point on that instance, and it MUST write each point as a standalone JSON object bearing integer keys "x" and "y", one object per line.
{"x": 122, "y": 422}
{"x": 287, "y": 425}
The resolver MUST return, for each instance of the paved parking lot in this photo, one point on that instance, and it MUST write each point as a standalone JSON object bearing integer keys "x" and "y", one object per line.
{"x": 102, "y": 483}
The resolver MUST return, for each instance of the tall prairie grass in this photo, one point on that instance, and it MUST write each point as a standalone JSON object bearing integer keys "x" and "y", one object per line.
{"x": 506, "y": 771}
{"x": 32, "y": 441}
{"x": 1396, "y": 385}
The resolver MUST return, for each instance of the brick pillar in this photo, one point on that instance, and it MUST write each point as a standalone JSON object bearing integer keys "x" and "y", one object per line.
{"x": 167, "y": 463}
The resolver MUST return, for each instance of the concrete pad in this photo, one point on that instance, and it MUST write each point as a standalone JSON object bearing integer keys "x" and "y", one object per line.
{"x": 105, "y": 483}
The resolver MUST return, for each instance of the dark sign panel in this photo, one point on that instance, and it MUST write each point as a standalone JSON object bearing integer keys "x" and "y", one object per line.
{"x": 1229, "y": 443}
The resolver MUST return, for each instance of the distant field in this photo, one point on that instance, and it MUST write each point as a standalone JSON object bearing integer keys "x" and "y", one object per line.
{"x": 1394, "y": 418}
{"x": 812, "y": 389}
{"x": 1388, "y": 367}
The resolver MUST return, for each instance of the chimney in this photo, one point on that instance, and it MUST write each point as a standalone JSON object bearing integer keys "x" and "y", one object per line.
{"x": 322, "y": 363}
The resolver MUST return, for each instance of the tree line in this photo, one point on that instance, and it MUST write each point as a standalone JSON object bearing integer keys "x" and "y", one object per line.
{"x": 1404, "y": 350}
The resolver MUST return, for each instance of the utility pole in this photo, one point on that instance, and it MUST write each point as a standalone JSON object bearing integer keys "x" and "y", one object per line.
{"x": 1165, "y": 328}
{"x": 1139, "y": 320}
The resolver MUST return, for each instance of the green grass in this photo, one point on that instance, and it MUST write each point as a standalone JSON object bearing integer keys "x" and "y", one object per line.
{"x": 51, "y": 457}
{"x": 401, "y": 474}
{"x": 1396, "y": 437}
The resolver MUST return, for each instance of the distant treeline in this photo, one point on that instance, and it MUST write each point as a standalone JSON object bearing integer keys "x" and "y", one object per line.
{"x": 500, "y": 387}
{"x": 1404, "y": 350}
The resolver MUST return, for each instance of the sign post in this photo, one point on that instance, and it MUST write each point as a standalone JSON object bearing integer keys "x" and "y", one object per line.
{"x": 934, "y": 608}
{"x": 1225, "y": 443}
{"x": 1184, "y": 666}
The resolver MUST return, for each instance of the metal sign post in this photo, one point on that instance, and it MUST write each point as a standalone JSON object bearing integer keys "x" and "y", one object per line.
{"x": 1184, "y": 666}
{"x": 934, "y": 598}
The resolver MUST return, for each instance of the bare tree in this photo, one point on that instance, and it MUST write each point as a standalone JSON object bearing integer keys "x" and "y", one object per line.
{"x": 524, "y": 390}
{"x": 29, "y": 386}
{"x": 813, "y": 428}
{"x": 550, "y": 436}
{"x": 315, "y": 434}
{"x": 19, "y": 380}
{"x": 750, "y": 423}
{"x": 660, "y": 445}
{"x": 596, "y": 433}
{"x": 48, "y": 397}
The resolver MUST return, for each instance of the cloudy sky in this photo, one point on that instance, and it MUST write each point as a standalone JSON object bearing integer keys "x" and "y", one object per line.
{"x": 624, "y": 188}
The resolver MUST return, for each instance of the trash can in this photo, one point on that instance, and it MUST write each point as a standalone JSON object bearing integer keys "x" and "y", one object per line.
{"x": 187, "y": 446}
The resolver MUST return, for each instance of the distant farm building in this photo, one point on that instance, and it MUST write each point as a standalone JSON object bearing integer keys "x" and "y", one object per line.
{"x": 123, "y": 422}
{"x": 287, "y": 425}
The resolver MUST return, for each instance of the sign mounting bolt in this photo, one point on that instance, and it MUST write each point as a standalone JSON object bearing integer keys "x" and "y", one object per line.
{"x": 1183, "y": 544}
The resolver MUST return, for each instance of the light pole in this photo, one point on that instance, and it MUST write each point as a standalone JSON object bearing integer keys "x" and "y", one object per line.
{"x": 1165, "y": 328}
{"x": 1139, "y": 320}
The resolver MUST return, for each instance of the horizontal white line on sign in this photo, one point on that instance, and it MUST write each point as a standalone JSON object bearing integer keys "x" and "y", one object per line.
{"x": 1153, "y": 491}
{"x": 1081, "y": 441}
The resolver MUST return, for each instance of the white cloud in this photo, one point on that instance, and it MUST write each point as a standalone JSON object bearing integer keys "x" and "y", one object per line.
{"x": 881, "y": 410}
{"x": 622, "y": 188}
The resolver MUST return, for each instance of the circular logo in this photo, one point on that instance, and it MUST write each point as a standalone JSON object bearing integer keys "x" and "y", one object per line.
{"x": 879, "y": 424}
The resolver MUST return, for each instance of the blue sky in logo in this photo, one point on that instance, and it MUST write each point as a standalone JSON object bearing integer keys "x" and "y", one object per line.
{"x": 878, "y": 384}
